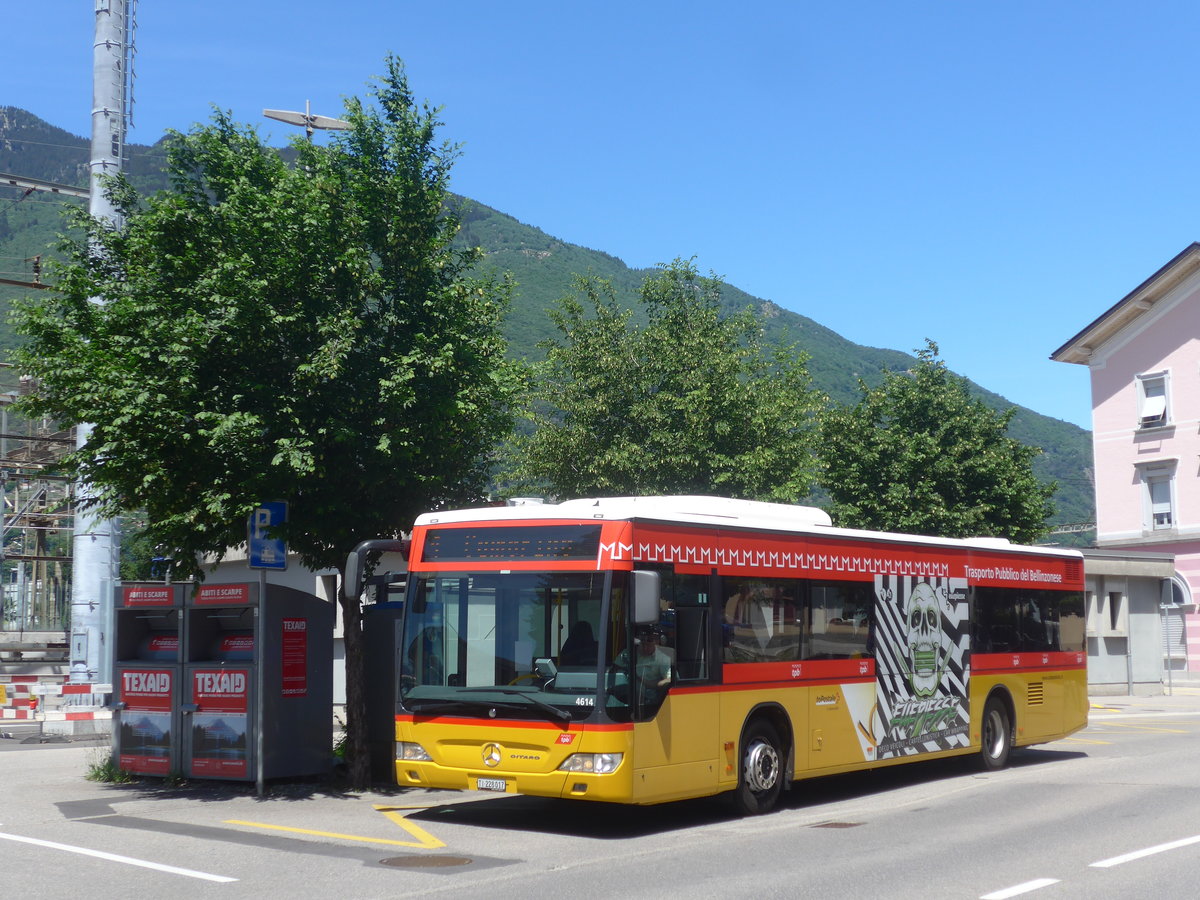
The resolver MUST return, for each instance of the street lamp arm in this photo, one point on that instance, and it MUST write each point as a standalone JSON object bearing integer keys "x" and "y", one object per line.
{"x": 307, "y": 120}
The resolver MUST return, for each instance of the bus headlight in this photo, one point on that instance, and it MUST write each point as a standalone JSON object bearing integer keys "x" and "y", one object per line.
{"x": 599, "y": 763}
{"x": 410, "y": 751}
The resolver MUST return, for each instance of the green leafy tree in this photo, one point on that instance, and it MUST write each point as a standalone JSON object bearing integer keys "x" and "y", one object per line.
{"x": 689, "y": 402}
{"x": 304, "y": 333}
{"x": 918, "y": 454}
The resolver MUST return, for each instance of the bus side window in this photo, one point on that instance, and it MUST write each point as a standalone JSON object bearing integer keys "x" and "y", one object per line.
{"x": 762, "y": 620}
{"x": 1071, "y": 621}
{"x": 1039, "y": 622}
{"x": 996, "y": 627}
{"x": 685, "y": 618}
{"x": 691, "y": 643}
{"x": 841, "y": 619}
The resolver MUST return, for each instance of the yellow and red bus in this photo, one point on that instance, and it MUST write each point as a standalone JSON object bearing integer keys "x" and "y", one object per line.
{"x": 648, "y": 649}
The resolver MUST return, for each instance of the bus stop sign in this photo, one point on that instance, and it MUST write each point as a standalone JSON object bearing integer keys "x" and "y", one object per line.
{"x": 267, "y": 552}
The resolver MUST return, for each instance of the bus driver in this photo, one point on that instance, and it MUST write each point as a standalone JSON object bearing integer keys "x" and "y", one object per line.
{"x": 652, "y": 664}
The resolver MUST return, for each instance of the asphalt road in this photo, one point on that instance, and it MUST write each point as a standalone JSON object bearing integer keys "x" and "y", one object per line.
{"x": 1110, "y": 812}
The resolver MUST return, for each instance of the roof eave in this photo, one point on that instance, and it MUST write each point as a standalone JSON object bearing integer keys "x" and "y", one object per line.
{"x": 1079, "y": 349}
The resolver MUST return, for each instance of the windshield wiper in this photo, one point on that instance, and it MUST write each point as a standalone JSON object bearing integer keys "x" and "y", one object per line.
{"x": 561, "y": 714}
{"x": 434, "y": 707}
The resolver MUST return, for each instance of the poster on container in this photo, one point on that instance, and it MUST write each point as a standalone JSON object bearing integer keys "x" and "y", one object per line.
{"x": 220, "y": 725}
{"x": 145, "y": 732}
{"x": 294, "y": 646}
{"x": 148, "y": 595}
{"x": 225, "y": 594}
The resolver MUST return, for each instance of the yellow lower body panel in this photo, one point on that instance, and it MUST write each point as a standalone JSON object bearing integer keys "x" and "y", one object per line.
{"x": 522, "y": 758}
{"x": 691, "y": 748}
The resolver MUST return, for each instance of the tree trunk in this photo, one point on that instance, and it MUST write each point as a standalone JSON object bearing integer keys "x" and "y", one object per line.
{"x": 358, "y": 759}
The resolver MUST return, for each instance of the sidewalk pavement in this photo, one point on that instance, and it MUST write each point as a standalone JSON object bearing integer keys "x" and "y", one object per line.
{"x": 1183, "y": 698}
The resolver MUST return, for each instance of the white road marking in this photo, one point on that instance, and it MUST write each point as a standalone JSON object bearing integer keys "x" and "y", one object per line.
{"x": 112, "y": 857}
{"x": 1181, "y": 714}
{"x": 1149, "y": 851}
{"x": 1017, "y": 889}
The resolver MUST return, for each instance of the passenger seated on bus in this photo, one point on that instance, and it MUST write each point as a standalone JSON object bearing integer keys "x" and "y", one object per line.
{"x": 579, "y": 649}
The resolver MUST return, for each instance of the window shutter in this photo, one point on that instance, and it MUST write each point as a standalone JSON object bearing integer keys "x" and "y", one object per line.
{"x": 1154, "y": 410}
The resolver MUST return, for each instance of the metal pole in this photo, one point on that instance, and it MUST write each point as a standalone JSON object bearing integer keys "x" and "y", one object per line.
{"x": 1170, "y": 653}
{"x": 96, "y": 540}
{"x": 1128, "y": 666}
{"x": 259, "y": 682}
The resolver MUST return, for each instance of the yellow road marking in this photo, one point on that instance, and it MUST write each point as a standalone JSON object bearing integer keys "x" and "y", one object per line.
{"x": 1075, "y": 740}
{"x": 395, "y": 808}
{"x": 424, "y": 839}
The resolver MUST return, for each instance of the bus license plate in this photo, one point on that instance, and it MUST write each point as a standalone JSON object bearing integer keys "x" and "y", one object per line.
{"x": 490, "y": 784}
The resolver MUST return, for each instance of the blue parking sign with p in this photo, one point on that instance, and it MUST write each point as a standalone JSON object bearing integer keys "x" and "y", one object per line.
{"x": 267, "y": 552}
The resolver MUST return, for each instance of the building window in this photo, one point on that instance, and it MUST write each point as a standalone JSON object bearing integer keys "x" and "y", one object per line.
{"x": 1152, "y": 400}
{"x": 1117, "y": 614}
{"x": 1159, "y": 487}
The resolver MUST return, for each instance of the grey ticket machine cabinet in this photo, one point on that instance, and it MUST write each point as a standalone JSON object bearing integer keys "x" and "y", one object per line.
{"x": 148, "y": 675}
{"x": 257, "y": 697}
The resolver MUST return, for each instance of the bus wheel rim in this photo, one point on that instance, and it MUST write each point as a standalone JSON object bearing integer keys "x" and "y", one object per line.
{"x": 993, "y": 733}
{"x": 762, "y": 766}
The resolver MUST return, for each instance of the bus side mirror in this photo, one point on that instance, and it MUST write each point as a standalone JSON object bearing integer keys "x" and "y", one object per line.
{"x": 352, "y": 576}
{"x": 645, "y": 597}
{"x": 352, "y": 580}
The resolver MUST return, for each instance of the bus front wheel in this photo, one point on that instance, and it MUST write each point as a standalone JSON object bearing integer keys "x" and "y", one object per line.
{"x": 761, "y": 772}
{"x": 997, "y": 735}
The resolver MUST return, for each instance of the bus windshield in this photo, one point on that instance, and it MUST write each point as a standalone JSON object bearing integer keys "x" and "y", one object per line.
{"x": 508, "y": 645}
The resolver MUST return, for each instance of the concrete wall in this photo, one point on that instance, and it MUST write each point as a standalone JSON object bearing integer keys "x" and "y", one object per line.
{"x": 1124, "y": 592}
{"x": 1125, "y": 657}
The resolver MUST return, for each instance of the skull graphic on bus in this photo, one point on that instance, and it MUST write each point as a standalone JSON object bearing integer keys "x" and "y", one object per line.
{"x": 926, "y": 658}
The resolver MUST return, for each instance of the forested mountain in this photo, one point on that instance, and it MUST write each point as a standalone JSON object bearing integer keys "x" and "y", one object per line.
{"x": 542, "y": 266}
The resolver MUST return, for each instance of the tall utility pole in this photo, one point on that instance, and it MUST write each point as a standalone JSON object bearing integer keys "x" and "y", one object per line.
{"x": 96, "y": 540}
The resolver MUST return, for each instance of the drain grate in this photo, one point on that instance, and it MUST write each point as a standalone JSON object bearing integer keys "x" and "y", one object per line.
{"x": 426, "y": 862}
{"x": 837, "y": 825}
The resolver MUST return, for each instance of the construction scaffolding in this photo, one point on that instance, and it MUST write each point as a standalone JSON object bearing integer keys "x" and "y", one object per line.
{"x": 38, "y": 517}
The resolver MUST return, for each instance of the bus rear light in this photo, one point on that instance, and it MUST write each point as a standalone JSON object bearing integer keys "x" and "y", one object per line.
{"x": 597, "y": 763}
{"x": 407, "y": 750}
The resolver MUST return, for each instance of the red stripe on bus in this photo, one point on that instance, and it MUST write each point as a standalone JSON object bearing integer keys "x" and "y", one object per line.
{"x": 800, "y": 670}
{"x": 699, "y": 549}
{"x": 991, "y": 663}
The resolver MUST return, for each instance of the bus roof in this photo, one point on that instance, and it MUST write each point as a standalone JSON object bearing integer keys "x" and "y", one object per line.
{"x": 711, "y": 511}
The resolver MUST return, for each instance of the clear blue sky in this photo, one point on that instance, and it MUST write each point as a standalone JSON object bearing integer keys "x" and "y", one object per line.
{"x": 991, "y": 175}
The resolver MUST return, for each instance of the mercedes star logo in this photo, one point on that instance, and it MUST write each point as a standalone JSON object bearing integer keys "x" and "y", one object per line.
{"x": 491, "y": 755}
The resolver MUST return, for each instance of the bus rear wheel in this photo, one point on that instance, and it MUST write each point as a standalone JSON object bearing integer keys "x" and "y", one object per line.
{"x": 761, "y": 772}
{"x": 996, "y": 734}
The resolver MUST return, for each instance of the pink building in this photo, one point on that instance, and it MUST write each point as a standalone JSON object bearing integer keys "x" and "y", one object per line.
{"x": 1144, "y": 358}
